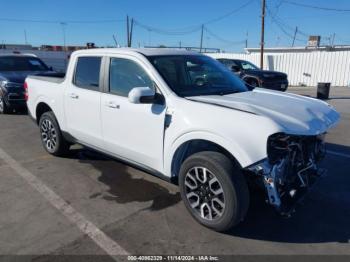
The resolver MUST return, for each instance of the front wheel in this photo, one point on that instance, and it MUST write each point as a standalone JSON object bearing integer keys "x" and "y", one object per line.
{"x": 51, "y": 135}
{"x": 253, "y": 83}
{"x": 214, "y": 190}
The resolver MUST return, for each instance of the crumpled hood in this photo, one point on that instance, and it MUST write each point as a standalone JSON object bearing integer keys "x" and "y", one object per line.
{"x": 295, "y": 114}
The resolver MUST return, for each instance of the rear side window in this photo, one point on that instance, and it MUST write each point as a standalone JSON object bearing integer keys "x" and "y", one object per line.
{"x": 228, "y": 63}
{"x": 87, "y": 73}
{"x": 124, "y": 75}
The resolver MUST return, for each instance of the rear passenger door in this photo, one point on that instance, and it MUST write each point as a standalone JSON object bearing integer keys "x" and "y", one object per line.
{"x": 131, "y": 131}
{"x": 83, "y": 99}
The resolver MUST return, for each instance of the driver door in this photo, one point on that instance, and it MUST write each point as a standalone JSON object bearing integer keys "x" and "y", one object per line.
{"x": 133, "y": 132}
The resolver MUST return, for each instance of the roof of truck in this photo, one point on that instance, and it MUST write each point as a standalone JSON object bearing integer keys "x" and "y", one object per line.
{"x": 144, "y": 51}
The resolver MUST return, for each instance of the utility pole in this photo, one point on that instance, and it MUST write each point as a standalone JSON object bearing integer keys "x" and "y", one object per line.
{"x": 25, "y": 37}
{"x": 63, "y": 24}
{"x": 201, "y": 45}
{"x": 180, "y": 44}
{"x": 262, "y": 34}
{"x": 246, "y": 40}
{"x": 333, "y": 37}
{"x": 115, "y": 41}
{"x": 131, "y": 30}
{"x": 127, "y": 32}
{"x": 149, "y": 37}
{"x": 330, "y": 39}
{"x": 295, "y": 35}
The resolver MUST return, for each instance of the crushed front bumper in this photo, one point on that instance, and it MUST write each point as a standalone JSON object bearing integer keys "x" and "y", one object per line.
{"x": 281, "y": 196}
{"x": 280, "y": 85}
{"x": 290, "y": 170}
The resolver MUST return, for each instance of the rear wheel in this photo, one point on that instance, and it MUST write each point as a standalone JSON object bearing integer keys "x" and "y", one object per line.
{"x": 214, "y": 190}
{"x": 51, "y": 135}
{"x": 4, "y": 108}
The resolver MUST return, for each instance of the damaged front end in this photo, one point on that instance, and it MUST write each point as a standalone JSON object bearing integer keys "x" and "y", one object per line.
{"x": 290, "y": 169}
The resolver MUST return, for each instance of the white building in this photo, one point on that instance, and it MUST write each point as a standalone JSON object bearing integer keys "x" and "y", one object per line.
{"x": 304, "y": 65}
{"x": 299, "y": 49}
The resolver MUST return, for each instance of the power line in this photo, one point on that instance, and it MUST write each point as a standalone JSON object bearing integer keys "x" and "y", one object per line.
{"x": 285, "y": 28}
{"x": 65, "y": 21}
{"x": 222, "y": 39}
{"x": 317, "y": 7}
{"x": 279, "y": 20}
{"x": 282, "y": 25}
{"x": 167, "y": 32}
{"x": 277, "y": 7}
{"x": 191, "y": 29}
{"x": 201, "y": 43}
{"x": 342, "y": 40}
{"x": 229, "y": 13}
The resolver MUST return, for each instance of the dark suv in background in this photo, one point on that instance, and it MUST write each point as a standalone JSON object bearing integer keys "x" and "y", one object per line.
{"x": 256, "y": 77}
{"x": 14, "y": 68}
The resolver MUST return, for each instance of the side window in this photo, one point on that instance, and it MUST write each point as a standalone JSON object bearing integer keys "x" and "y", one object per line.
{"x": 231, "y": 63}
{"x": 124, "y": 75}
{"x": 224, "y": 61}
{"x": 87, "y": 73}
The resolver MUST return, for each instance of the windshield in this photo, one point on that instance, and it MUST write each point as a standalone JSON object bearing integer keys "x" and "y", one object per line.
{"x": 21, "y": 63}
{"x": 248, "y": 66}
{"x": 196, "y": 75}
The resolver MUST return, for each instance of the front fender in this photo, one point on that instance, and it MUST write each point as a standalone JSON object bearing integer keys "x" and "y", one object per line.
{"x": 245, "y": 77}
{"x": 231, "y": 146}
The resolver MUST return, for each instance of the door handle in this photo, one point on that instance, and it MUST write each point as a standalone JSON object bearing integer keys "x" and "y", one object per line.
{"x": 74, "y": 96}
{"x": 113, "y": 105}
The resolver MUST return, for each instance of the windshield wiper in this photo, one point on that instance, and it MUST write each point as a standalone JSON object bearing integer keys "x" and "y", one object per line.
{"x": 222, "y": 93}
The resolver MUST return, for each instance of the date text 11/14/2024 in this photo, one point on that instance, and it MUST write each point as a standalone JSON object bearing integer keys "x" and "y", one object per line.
{"x": 173, "y": 258}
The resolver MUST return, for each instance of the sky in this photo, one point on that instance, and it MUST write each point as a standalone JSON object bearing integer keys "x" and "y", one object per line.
{"x": 228, "y": 23}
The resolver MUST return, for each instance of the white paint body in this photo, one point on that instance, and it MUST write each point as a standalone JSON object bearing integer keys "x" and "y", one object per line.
{"x": 241, "y": 123}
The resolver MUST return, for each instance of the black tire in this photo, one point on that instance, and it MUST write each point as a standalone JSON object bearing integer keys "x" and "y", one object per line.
{"x": 4, "y": 108}
{"x": 51, "y": 135}
{"x": 231, "y": 180}
{"x": 253, "y": 83}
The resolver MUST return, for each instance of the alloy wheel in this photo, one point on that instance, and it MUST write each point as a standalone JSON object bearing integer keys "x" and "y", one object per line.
{"x": 254, "y": 84}
{"x": 49, "y": 135}
{"x": 204, "y": 193}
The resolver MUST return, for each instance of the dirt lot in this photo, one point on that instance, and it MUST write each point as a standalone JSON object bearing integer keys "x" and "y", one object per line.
{"x": 144, "y": 215}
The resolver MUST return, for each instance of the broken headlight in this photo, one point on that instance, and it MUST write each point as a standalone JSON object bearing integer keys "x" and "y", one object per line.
{"x": 300, "y": 148}
{"x": 277, "y": 147}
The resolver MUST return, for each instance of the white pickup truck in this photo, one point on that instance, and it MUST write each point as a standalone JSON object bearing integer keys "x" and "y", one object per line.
{"x": 186, "y": 118}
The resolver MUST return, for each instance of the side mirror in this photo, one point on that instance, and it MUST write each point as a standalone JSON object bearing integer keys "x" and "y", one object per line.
{"x": 235, "y": 68}
{"x": 50, "y": 68}
{"x": 142, "y": 95}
